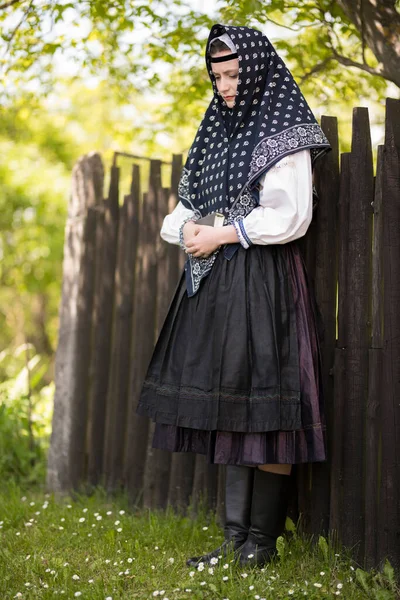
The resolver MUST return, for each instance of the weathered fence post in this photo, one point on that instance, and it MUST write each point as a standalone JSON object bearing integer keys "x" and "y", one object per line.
{"x": 144, "y": 330}
{"x": 327, "y": 184}
{"x": 337, "y": 423}
{"x": 319, "y": 248}
{"x": 372, "y": 432}
{"x": 389, "y": 501}
{"x": 117, "y": 401}
{"x": 66, "y": 459}
{"x": 102, "y": 333}
{"x": 158, "y": 462}
{"x": 205, "y": 484}
{"x": 358, "y": 328}
{"x": 182, "y": 465}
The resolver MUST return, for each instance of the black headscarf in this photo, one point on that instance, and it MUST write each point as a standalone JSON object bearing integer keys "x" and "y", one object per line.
{"x": 233, "y": 148}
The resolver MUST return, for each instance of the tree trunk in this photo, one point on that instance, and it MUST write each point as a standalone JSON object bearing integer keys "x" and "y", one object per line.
{"x": 379, "y": 26}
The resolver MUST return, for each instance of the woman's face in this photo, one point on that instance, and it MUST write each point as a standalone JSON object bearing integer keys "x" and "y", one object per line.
{"x": 226, "y": 77}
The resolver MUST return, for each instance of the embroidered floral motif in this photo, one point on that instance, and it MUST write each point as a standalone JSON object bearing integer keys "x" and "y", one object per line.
{"x": 241, "y": 207}
{"x": 276, "y": 146}
{"x": 199, "y": 268}
{"x": 183, "y": 187}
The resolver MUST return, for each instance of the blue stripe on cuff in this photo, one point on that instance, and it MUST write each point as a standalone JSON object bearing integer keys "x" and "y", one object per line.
{"x": 246, "y": 237}
{"x": 242, "y": 240}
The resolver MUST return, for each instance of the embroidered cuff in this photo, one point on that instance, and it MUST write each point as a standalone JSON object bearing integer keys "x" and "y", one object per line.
{"x": 242, "y": 235}
{"x": 181, "y": 240}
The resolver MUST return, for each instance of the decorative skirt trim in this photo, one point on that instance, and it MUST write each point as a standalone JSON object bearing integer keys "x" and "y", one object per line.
{"x": 224, "y": 410}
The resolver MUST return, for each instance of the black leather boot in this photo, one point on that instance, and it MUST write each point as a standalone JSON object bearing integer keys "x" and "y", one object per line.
{"x": 238, "y": 492}
{"x": 267, "y": 520}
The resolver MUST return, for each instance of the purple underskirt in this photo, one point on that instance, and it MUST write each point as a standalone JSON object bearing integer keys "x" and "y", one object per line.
{"x": 284, "y": 447}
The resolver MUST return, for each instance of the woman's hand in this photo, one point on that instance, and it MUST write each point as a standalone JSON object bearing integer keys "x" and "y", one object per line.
{"x": 190, "y": 229}
{"x": 204, "y": 241}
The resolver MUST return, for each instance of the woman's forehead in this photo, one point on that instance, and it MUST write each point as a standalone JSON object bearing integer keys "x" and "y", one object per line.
{"x": 226, "y": 66}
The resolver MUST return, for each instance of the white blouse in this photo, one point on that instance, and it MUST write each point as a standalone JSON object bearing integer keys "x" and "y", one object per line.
{"x": 284, "y": 213}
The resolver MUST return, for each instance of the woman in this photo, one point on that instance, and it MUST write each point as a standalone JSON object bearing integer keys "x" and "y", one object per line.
{"x": 235, "y": 373}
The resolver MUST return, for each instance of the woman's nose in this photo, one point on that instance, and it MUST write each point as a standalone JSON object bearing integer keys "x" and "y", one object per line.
{"x": 224, "y": 86}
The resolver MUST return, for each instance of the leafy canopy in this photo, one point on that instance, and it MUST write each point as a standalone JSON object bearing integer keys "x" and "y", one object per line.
{"x": 136, "y": 46}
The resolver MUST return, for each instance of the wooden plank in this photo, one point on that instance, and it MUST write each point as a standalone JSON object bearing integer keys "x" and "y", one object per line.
{"x": 372, "y": 435}
{"x": 199, "y": 490}
{"x": 145, "y": 306}
{"x": 158, "y": 462}
{"x": 303, "y": 474}
{"x": 103, "y": 330}
{"x": 179, "y": 259}
{"x": 377, "y": 257}
{"x": 220, "y": 508}
{"x": 337, "y": 457}
{"x": 389, "y": 508}
{"x": 358, "y": 326}
{"x": 80, "y": 410}
{"x": 343, "y": 243}
{"x": 181, "y": 480}
{"x": 372, "y": 432}
{"x": 66, "y": 459}
{"x": 173, "y": 201}
{"x": 117, "y": 400}
{"x": 182, "y": 465}
{"x": 327, "y": 185}
{"x": 205, "y": 485}
{"x": 339, "y": 392}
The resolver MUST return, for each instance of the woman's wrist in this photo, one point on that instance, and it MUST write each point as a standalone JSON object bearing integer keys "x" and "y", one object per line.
{"x": 187, "y": 221}
{"x": 227, "y": 235}
{"x": 187, "y": 225}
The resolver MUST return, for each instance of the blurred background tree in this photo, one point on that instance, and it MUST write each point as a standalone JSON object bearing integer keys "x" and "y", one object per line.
{"x": 129, "y": 75}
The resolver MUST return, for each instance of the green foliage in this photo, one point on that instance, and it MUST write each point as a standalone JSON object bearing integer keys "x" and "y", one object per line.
{"x": 323, "y": 546}
{"x": 31, "y": 234}
{"x": 40, "y": 139}
{"x": 25, "y": 416}
{"x": 132, "y": 45}
{"x": 290, "y": 526}
{"x": 378, "y": 586}
{"x": 102, "y": 547}
{"x": 281, "y": 547}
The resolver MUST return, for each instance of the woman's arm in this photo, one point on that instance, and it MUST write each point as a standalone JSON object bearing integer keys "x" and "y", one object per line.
{"x": 285, "y": 209}
{"x": 284, "y": 213}
{"x": 172, "y": 222}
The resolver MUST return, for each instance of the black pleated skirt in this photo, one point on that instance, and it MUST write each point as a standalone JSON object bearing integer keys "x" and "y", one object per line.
{"x": 235, "y": 373}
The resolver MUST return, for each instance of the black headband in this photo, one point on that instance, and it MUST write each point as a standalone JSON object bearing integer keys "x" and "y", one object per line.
{"x": 223, "y": 58}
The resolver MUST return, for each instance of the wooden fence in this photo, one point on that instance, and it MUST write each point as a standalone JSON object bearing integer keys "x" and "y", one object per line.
{"x": 118, "y": 280}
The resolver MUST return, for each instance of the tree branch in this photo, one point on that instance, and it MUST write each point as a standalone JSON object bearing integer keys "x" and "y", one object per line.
{"x": 378, "y": 23}
{"x": 8, "y": 4}
{"x": 295, "y": 29}
{"x": 14, "y": 32}
{"x": 318, "y": 67}
{"x": 348, "y": 62}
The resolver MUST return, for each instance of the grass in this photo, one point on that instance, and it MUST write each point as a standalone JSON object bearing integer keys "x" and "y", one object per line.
{"x": 96, "y": 548}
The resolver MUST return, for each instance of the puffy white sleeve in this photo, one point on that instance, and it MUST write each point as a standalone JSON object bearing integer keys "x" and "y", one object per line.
{"x": 172, "y": 222}
{"x": 285, "y": 210}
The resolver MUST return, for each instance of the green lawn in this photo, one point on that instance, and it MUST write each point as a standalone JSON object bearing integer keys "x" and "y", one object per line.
{"x": 92, "y": 547}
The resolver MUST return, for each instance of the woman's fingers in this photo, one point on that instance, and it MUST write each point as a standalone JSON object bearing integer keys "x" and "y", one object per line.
{"x": 199, "y": 254}
{"x": 192, "y": 244}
